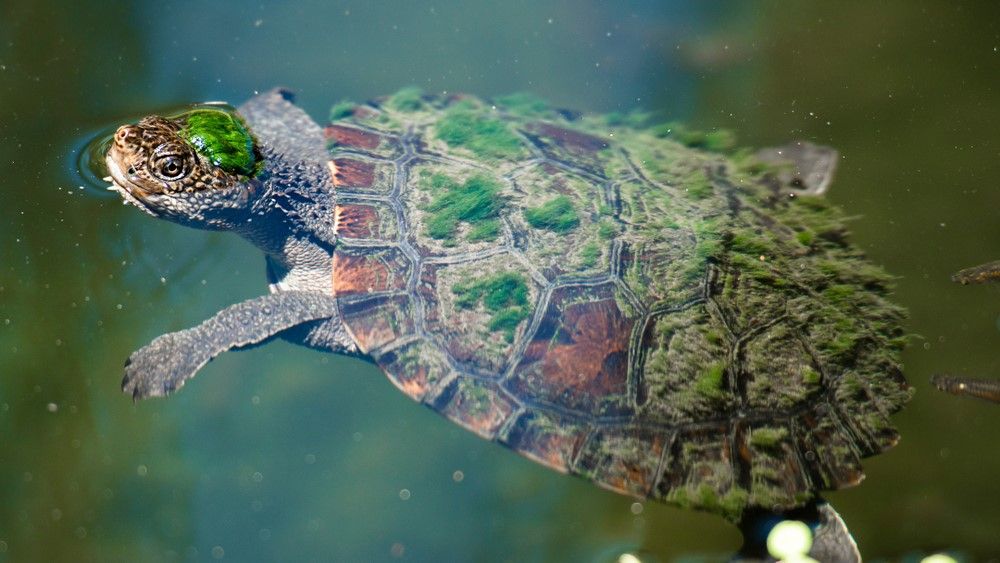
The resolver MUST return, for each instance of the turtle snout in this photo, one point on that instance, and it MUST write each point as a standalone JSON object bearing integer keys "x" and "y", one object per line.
{"x": 127, "y": 135}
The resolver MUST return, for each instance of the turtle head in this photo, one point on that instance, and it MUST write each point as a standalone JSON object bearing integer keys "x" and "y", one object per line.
{"x": 196, "y": 168}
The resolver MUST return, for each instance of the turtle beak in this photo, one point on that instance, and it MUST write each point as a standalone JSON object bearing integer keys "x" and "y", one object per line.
{"x": 130, "y": 192}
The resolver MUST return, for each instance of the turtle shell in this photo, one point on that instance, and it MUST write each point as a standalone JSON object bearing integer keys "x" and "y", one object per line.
{"x": 613, "y": 301}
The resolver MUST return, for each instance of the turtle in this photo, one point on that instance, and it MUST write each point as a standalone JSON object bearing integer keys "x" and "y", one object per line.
{"x": 643, "y": 305}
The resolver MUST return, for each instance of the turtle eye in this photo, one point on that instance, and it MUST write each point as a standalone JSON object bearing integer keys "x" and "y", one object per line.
{"x": 169, "y": 167}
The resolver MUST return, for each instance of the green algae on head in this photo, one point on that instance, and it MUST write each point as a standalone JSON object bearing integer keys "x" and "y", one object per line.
{"x": 222, "y": 138}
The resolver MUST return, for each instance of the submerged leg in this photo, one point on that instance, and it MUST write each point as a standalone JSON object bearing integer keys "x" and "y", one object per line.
{"x": 831, "y": 540}
{"x": 804, "y": 167}
{"x": 987, "y": 389}
{"x": 984, "y": 273}
{"x": 162, "y": 366}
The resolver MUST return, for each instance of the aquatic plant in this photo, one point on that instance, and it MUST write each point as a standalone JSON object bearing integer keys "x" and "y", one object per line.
{"x": 342, "y": 109}
{"x": 524, "y": 104}
{"x": 463, "y": 126}
{"x": 556, "y": 215}
{"x": 476, "y": 201}
{"x": 504, "y": 295}
{"x": 222, "y": 138}
{"x": 408, "y": 99}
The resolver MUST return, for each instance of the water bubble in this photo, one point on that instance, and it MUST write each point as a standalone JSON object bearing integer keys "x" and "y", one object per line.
{"x": 939, "y": 558}
{"x": 257, "y": 477}
{"x": 397, "y": 550}
{"x": 629, "y": 558}
{"x": 404, "y": 494}
{"x": 790, "y": 540}
{"x": 255, "y": 400}
{"x": 636, "y": 508}
{"x": 218, "y": 552}
{"x": 457, "y": 476}
{"x": 142, "y": 470}
{"x": 80, "y": 532}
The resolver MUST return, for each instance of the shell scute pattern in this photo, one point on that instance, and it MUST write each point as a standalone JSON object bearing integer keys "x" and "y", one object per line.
{"x": 663, "y": 320}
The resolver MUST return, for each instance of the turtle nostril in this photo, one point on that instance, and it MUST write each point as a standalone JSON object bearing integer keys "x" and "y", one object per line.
{"x": 125, "y": 134}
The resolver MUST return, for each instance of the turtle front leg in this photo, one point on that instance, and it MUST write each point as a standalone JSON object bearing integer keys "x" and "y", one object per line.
{"x": 165, "y": 364}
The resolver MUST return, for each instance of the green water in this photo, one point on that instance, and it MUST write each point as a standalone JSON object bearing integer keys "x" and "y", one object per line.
{"x": 286, "y": 453}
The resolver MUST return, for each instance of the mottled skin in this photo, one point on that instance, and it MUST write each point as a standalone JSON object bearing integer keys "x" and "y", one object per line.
{"x": 668, "y": 322}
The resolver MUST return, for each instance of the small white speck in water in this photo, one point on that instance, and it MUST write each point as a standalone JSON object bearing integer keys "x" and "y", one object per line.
{"x": 404, "y": 494}
{"x": 628, "y": 558}
{"x": 218, "y": 552}
{"x": 458, "y": 476}
{"x": 142, "y": 470}
{"x": 636, "y": 508}
{"x": 257, "y": 477}
{"x": 52, "y": 407}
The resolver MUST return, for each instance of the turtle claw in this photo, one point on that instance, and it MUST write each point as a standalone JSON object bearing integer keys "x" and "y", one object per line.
{"x": 161, "y": 367}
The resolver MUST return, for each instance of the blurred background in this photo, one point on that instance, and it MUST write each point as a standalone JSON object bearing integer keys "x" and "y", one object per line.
{"x": 286, "y": 453}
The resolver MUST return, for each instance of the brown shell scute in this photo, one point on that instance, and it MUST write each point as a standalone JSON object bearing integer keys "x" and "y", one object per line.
{"x": 578, "y": 356}
{"x": 547, "y": 439}
{"x": 661, "y": 320}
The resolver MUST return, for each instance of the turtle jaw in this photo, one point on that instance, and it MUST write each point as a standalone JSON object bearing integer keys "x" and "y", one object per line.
{"x": 131, "y": 192}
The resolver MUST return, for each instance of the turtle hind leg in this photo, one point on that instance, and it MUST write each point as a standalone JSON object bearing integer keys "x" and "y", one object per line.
{"x": 165, "y": 364}
{"x": 831, "y": 540}
{"x": 984, "y": 273}
{"x": 802, "y": 167}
